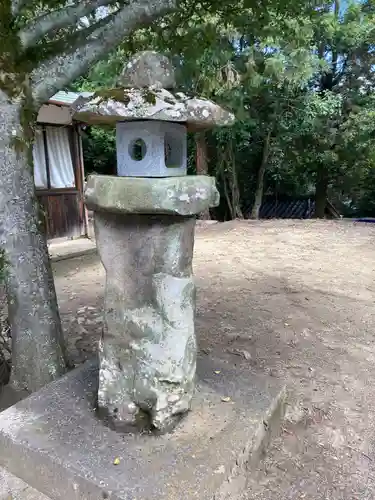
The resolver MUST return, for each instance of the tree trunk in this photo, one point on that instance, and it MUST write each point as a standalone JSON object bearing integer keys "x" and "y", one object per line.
{"x": 37, "y": 342}
{"x": 202, "y": 162}
{"x": 235, "y": 193}
{"x": 260, "y": 178}
{"x": 227, "y": 197}
{"x": 227, "y": 170}
{"x": 321, "y": 188}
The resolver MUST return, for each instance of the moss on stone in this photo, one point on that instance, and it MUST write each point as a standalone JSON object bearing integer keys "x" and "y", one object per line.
{"x": 123, "y": 95}
{"x": 114, "y": 94}
{"x": 149, "y": 96}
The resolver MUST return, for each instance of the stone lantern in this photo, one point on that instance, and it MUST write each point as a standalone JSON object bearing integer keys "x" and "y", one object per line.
{"x": 151, "y": 149}
{"x": 144, "y": 225}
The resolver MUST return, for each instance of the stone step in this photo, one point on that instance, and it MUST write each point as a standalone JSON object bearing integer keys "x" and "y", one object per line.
{"x": 55, "y": 443}
{"x": 13, "y": 488}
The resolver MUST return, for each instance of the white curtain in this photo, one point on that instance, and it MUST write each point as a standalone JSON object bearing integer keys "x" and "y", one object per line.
{"x": 39, "y": 158}
{"x": 60, "y": 158}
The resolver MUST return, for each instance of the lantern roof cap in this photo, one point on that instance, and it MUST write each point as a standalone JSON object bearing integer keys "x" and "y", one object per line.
{"x": 145, "y": 93}
{"x": 148, "y": 69}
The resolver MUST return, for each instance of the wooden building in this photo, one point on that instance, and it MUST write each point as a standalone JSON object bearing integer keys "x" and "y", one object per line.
{"x": 59, "y": 169}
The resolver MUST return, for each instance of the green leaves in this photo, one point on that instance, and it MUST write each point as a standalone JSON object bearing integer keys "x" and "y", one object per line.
{"x": 300, "y": 72}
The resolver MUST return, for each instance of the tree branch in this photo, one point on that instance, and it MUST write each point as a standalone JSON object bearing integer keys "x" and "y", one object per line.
{"x": 57, "y": 19}
{"x": 52, "y": 76}
{"x": 72, "y": 39}
{"x": 339, "y": 75}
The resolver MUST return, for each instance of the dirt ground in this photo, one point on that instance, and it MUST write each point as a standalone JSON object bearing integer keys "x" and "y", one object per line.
{"x": 296, "y": 299}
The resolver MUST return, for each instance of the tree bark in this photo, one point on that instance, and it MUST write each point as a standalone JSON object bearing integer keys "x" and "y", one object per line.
{"x": 321, "y": 188}
{"x": 227, "y": 198}
{"x": 260, "y": 178}
{"x": 53, "y": 75}
{"x": 37, "y": 341}
{"x": 57, "y": 19}
{"x": 202, "y": 163}
{"x": 236, "y": 198}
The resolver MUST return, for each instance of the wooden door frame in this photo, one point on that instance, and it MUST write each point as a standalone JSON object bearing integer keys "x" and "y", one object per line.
{"x": 78, "y": 168}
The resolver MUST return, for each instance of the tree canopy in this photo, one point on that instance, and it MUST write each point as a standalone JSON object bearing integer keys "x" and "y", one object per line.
{"x": 300, "y": 79}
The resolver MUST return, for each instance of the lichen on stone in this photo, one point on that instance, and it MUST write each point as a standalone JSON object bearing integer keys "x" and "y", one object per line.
{"x": 142, "y": 96}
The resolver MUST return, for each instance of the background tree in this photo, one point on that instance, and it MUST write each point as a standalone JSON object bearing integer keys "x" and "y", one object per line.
{"x": 300, "y": 86}
{"x": 344, "y": 37}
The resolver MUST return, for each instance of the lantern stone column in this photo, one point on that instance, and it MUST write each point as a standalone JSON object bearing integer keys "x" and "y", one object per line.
{"x": 144, "y": 225}
{"x": 145, "y": 235}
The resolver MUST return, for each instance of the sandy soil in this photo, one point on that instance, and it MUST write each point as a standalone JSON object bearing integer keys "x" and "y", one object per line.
{"x": 296, "y": 300}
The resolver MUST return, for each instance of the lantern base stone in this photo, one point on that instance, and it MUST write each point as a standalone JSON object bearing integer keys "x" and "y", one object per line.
{"x": 186, "y": 196}
{"x": 54, "y": 441}
{"x": 148, "y": 349}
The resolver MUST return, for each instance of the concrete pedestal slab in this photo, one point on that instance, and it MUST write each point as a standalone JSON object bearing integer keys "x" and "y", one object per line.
{"x": 13, "y": 488}
{"x": 55, "y": 443}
